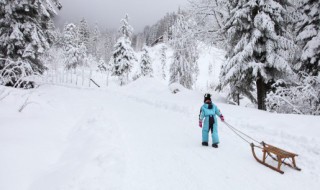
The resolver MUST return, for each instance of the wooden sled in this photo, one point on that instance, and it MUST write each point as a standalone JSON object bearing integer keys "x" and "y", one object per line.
{"x": 276, "y": 154}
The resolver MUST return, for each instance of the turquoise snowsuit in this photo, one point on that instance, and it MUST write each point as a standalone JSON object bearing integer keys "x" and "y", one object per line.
{"x": 208, "y": 112}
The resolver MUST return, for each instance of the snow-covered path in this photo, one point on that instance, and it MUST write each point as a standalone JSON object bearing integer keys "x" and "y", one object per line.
{"x": 144, "y": 137}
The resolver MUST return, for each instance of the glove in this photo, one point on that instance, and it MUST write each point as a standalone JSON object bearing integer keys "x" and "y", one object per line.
{"x": 221, "y": 117}
{"x": 200, "y": 123}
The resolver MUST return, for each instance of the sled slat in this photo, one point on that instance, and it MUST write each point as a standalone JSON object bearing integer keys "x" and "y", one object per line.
{"x": 278, "y": 151}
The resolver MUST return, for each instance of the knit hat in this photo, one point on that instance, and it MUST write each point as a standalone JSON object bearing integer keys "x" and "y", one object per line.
{"x": 207, "y": 96}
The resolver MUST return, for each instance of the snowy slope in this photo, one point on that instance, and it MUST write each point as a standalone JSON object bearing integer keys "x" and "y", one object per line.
{"x": 143, "y": 137}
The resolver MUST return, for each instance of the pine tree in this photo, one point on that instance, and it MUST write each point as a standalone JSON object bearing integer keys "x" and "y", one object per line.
{"x": 95, "y": 40}
{"x": 25, "y": 34}
{"x": 126, "y": 30}
{"x": 165, "y": 36}
{"x": 84, "y": 33}
{"x": 184, "y": 68}
{"x": 259, "y": 47}
{"x": 102, "y": 65}
{"x": 122, "y": 59}
{"x": 145, "y": 64}
{"x": 74, "y": 51}
{"x": 163, "y": 61}
{"x": 123, "y": 55}
{"x": 308, "y": 37}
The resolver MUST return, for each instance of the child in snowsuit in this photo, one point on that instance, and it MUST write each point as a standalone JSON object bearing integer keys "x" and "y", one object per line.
{"x": 207, "y": 115}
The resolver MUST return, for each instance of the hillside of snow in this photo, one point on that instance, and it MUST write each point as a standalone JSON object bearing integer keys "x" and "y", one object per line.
{"x": 141, "y": 136}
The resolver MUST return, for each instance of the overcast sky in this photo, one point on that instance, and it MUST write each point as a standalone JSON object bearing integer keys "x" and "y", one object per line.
{"x": 108, "y": 13}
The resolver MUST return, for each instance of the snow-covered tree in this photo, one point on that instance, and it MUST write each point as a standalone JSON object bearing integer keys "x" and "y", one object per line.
{"x": 184, "y": 68}
{"x": 84, "y": 33}
{"x": 308, "y": 37}
{"x": 123, "y": 55}
{"x": 302, "y": 97}
{"x": 153, "y": 35}
{"x": 74, "y": 51}
{"x": 105, "y": 67}
{"x": 211, "y": 16}
{"x": 95, "y": 40}
{"x": 54, "y": 57}
{"x": 146, "y": 64}
{"x": 165, "y": 37}
{"x": 122, "y": 60}
{"x": 126, "y": 29}
{"x": 260, "y": 46}
{"x": 102, "y": 65}
{"x": 25, "y": 34}
{"x": 159, "y": 29}
{"x": 163, "y": 60}
{"x": 91, "y": 62}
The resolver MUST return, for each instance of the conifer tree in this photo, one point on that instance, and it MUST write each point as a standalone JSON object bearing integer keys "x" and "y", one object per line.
{"x": 163, "y": 61}
{"x": 123, "y": 55}
{"x": 165, "y": 37}
{"x": 259, "y": 48}
{"x": 102, "y": 65}
{"x": 126, "y": 29}
{"x": 25, "y": 34}
{"x": 184, "y": 68}
{"x": 84, "y": 33}
{"x": 74, "y": 51}
{"x": 95, "y": 40}
{"x": 145, "y": 64}
{"x": 308, "y": 37}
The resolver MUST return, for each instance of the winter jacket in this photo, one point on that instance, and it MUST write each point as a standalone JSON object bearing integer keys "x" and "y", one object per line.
{"x": 208, "y": 114}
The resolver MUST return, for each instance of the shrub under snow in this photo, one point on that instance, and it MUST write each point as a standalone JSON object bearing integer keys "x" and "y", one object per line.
{"x": 300, "y": 98}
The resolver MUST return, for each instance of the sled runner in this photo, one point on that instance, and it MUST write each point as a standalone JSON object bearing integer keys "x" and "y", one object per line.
{"x": 276, "y": 154}
{"x": 273, "y": 152}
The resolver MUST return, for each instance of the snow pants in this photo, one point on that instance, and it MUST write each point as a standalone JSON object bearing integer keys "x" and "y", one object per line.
{"x": 209, "y": 126}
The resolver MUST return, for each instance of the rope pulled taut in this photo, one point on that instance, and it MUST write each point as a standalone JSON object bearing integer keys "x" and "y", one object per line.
{"x": 241, "y": 134}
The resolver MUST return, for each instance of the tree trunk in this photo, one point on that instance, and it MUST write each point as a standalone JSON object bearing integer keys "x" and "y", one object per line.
{"x": 261, "y": 94}
{"x": 238, "y": 98}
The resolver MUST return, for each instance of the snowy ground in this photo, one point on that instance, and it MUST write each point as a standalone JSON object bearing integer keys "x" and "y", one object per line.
{"x": 143, "y": 137}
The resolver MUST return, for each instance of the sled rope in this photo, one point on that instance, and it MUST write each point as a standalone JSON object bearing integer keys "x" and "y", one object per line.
{"x": 241, "y": 134}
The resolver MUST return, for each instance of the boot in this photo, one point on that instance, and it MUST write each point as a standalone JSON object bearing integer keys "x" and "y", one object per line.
{"x": 204, "y": 143}
{"x": 215, "y": 145}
